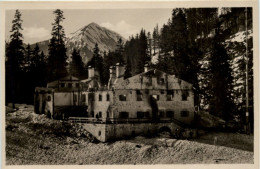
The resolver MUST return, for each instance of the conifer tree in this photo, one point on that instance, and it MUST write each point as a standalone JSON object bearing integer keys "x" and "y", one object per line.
{"x": 57, "y": 52}
{"x": 142, "y": 52}
{"x": 221, "y": 102}
{"x": 128, "y": 69}
{"x": 119, "y": 52}
{"x": 39, "y": 67}
{"x": 156, "y": 40}
{"x": 149, "y": 42}
{"x": 28, "y": 54}
{"x": 97, "y": 63}
{"x": 14, "y": 59}
{"x": 77, "y": 68}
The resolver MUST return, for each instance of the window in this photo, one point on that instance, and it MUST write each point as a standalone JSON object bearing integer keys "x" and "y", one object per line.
{"x": 99, "y": 133}
{"x": 49, "y": 98}
{"x": 161, "y": 114}
{"x": 169, "y": 95}
{"x": 170, "y": 114}
{"x": 184, "y": 113}
{"x": 139, "y": 96}
{"x": 77, "y": 85}
{"x": 107, "y": 114}
{"x": 92, "y": 113}
{"x": 70, "y": 85}
{"x": 62, "y": 85}
{"x": 122, "y": 97}
{"x": 140, "y": 115}
{"x": 100, "y": 114}
{"x": 108, "y": 97}
{"x": 146, "y": 114}
{"x": 83, "y": 99}
{"x": 184, "y": 95}
{"x": 75, "y": 98}
{"x": 100, "y": 97}
{"x": 162, "y": 91}
{"x": 146, "y": 91}
{"x": 123, "y": 115}
{"x": 162, "y": 80}
{"x": 155, "y": 97}
{"x": 91, "y": 89}
{"x": 91, "y": 97}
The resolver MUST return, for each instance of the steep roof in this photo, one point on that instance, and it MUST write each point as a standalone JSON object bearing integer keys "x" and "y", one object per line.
{"x": 54, "y": 84}
{"x": 91, "y": 83}
{"x": 152, "y": 79}
{"x": 69, "y": 77}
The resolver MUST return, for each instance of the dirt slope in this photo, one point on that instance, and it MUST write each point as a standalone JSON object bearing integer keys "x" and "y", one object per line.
{"x": 35, "y": 139}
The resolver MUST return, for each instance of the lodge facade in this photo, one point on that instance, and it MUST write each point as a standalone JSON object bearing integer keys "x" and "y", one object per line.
{"x": 142, "y": 104}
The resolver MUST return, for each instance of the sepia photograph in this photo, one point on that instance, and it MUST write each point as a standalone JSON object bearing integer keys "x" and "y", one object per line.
{"x": 130, "y": 85}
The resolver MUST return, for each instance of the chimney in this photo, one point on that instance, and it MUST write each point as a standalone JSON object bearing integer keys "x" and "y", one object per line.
{"x": 91, "y": 72}
{"x": 120, "y": 70}
{"x": 111, "y": 71}
{"x": 111, "y": 76}
{"x": 145, "y": 67}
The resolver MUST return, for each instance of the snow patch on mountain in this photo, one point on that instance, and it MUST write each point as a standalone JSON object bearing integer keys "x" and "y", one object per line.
{"x": 86, "y": 37}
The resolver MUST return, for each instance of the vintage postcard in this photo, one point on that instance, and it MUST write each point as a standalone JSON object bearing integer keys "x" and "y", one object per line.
{"x": 135, "y": 84}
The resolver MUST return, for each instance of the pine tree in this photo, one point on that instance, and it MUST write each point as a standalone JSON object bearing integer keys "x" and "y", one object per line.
{"x": 142, "y": 52}
{"x": 77, "y": 68}
{"x": 57, "y": 52}
{"x": 221, "y": 102}
{"x": 97, "y": 63}
{"x": 119, "y": 52}
{"x": 149, "y": 42}
{"x": 128, "y": 69}
{"x": 130, "y": 53}
{"x": 39, "y": 67}
{"x": 156, "y": 40}
{"x": 14, "y": 59}
{"x": 28, "y": 54}
{"x": 36, "y": 56}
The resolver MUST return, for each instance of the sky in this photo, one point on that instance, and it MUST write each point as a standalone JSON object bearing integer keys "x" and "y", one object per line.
{"x": 37, "y": 23}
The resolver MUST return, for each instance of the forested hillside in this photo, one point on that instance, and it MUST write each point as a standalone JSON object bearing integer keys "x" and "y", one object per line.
{"x": 206, "y": 47}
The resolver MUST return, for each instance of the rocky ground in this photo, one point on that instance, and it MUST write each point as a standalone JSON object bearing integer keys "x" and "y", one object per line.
{"x": 35, "y": 139}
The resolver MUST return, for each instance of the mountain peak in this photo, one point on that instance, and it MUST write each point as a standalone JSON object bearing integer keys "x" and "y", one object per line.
{"x": 86, "y": 38}
{"x": 93, "y": 24}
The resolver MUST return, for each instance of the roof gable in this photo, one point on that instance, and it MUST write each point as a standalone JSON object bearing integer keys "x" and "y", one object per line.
{"x": 152, "y": 79}
{"x": 69, "y": 77}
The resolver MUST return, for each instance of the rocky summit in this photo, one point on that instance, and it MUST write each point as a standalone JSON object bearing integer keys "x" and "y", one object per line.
{"x": 85, "y": 39}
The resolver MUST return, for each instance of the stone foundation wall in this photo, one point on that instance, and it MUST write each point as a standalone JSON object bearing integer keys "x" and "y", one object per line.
{"x": 107, "y": 132}
{"x": 97, "y": 130}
